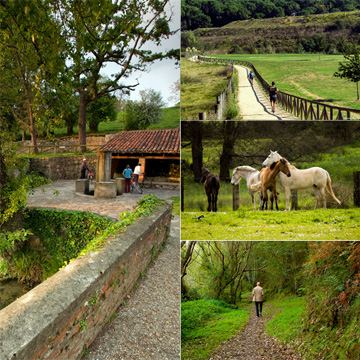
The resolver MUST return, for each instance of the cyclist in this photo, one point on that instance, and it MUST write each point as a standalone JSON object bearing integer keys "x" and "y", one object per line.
{"x": 251, "y": 77}
{"x": 137, "y": 172}
{"x": 273, "y": 91}
{"x": 127, "y": 173}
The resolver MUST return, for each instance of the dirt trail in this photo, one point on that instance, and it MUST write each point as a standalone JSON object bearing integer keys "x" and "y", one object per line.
{"x": 254, "y": 104}
{"x": 252, "y": 343}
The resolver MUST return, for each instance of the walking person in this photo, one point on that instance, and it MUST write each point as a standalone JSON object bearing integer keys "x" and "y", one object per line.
{"x": 273, "y": 91}
{"x": 83, "y": 169}
{"x": 258, "y": 298}
{"x": 251, "y": 77}
{"x": 127, "y": 173}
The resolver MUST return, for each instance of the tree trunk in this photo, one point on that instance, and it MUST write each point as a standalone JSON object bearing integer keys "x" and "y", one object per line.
{"x": 197, "y": 149}
{"x": 32, "y": 128}
{"x": 357, "y": 90}
{"x": 229, "y": 130}
{"x": 82, "y": 122}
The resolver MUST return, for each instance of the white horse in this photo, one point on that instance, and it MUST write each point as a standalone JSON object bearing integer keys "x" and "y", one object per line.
{"x": 250, "y": 175}
{"x": 303, "y": 179}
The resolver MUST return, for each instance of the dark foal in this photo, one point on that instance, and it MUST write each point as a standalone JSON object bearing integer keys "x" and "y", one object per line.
{"x": 212, "y": 185}
{"x": 268, "y": 182}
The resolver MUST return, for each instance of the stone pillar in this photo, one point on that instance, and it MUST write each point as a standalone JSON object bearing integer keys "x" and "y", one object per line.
{"x": 142, "y": 161}
{"x": 105, "y": 190}
{"x": 103, "y": 172}
{"x": 120, "y": 185}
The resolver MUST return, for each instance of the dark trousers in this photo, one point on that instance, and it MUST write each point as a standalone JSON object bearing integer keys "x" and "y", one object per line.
{"x": 257, "y": 305}
{"x": 82, "y": 173}
{"x": 127, "y": 184}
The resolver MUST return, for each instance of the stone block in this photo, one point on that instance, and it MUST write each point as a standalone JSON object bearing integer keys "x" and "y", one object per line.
{"x": 105, "y": 190}
{"x": 120, "y": 185}
{"x": 82, "y": 186}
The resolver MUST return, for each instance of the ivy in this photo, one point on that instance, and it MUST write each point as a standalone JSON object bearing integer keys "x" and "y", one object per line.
{"x": 64, "y": 236}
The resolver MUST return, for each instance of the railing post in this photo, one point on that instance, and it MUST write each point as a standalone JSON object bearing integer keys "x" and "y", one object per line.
{"x": 356, "y": 176}
{"x": 236, "y": 197}
{"x": 294, "y": 200}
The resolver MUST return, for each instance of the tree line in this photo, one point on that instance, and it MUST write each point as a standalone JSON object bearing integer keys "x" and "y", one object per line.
{"x": 216, "y": 13}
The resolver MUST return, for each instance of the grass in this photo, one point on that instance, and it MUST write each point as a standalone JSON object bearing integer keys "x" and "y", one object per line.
{"x": 305, "y": 75}
{"x": 286, "y": 324}
{"x": 200, "y": 85}
{"x": 176, "y": 208}
{"x": 205, "y": 324}
{"x": 330, "y": 224}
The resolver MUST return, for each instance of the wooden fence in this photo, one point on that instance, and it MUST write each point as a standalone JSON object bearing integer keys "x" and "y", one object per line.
{"x": 302, "y": 108}
{"x": 55, "y": 149}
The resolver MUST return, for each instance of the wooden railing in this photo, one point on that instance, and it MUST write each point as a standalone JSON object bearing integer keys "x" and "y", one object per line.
{"x": 302, "y": 108}
{"x": 55, "y": 149}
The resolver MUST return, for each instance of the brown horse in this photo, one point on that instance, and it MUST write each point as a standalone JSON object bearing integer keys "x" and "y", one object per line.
{"x": 268, "y": 182}
{"x": 212, "y": 185}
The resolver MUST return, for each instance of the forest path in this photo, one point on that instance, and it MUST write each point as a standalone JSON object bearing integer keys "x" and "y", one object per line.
{"x": 253, "y": 103}
{"x": 252, "y": 342}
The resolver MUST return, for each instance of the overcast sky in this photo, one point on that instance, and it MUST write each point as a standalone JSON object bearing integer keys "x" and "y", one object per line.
{"x": 162, "y": 74}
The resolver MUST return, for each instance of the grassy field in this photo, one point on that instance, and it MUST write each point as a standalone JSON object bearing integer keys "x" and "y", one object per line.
{"x": 170, "y": 119}
{"x": 205, "y": 324}
{"x": 330, "y": 224}
{"x": 200, "y": 85}
{"x": 305, "y": 75}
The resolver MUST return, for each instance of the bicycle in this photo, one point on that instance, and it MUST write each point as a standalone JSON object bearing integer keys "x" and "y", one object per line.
{"x": 135, "y": 185}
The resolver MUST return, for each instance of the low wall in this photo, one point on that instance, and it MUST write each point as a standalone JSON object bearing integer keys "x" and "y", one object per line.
{"x": 90, "y": 140}
{"x": 62, "y": 167}
{"x": 60, "y": 318}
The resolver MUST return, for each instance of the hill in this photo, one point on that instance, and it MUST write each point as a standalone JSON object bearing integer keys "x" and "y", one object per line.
{"x": 293, "y": 34}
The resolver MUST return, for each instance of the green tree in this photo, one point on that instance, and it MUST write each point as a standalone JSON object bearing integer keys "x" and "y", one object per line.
{"x": 351, "y": 69}
{"x": 147, "y": 111}
{"x": 103, "y": 32}
{"x": 102, "y": 109}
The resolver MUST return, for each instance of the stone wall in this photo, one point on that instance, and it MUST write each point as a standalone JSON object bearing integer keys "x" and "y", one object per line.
{"x": 90, "y": 140}
{"x": 60, "y": 318}
{"x": 62, "y": 167}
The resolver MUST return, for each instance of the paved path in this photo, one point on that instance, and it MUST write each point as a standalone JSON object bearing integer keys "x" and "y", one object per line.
{"x": 68, "y": 199}
{"x": 254, "y": 104}
{"x": 148, "y": 327}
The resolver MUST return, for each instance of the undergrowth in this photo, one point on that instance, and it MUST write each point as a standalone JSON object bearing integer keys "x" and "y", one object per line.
{"x": 53, "y": 238}
{"x": 207, "y": 323}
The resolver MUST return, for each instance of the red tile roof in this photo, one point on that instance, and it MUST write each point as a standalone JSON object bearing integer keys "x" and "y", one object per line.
{"x": 145, "y": 141}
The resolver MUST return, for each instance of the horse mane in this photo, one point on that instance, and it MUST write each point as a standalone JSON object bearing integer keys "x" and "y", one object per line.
{"x": 246, "y": 168}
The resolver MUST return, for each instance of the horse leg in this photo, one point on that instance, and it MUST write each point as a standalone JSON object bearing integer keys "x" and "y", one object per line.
{"x": 317, "y": 196}
{"x": 209, "y": 202}
{"x": 215, "y": 202}
{"x": 323, "y": 195}
{"x": 271, "y": 201}
{"x": 253, "y": 199}
{"x": 287, "y": 198}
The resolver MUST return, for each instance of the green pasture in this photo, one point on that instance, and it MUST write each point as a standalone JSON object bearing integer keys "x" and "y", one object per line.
{"x": 200, "y": 85}
{"x": 304, "y": 75}
{"x": 330, "y": 224}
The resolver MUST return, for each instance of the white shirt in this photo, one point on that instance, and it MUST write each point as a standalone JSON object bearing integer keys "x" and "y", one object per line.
{"x": 137, "y": 170}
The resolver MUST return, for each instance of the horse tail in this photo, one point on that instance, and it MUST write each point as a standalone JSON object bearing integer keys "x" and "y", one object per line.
{"x": 329, "y": 189}
{"x": 256, "y": 187}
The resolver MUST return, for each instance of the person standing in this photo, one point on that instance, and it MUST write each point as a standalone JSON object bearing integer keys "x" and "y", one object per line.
{"x": 273, "y": 91}
{"x": 83, "y": 169}
{"x": 258, "y": 298}
{"x": 137, "y": 172}
{"x": 127, "y": 173}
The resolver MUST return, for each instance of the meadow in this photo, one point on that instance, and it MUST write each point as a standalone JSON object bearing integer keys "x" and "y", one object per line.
{"x": 305, "y": 75}
{"x": 200, "y": 85}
